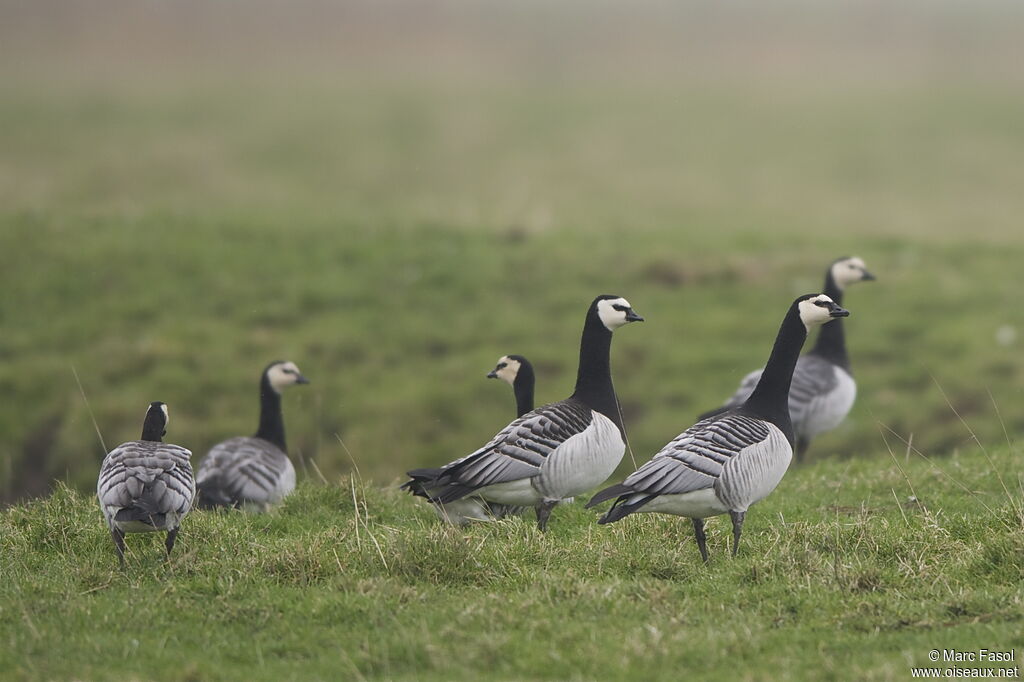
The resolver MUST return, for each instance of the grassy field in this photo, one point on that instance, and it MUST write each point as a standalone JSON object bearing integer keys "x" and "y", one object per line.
{"x": 393, "y": 195}
{"x": 396, "y": 308}
{"x": 852, "y": 570}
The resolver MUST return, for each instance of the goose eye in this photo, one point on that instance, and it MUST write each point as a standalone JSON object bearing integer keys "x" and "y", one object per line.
{"x": 621, "y": 308}
{"x": 502, "y": 365}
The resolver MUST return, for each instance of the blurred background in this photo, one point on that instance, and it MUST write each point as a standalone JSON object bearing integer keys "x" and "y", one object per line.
{"x": 393, "y": 194}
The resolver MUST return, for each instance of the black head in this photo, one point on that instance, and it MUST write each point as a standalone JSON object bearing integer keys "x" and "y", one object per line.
{"x": 154, "y": 427}
{"x": 817, "y": 309}
{"x": 613, "y": 311}
{"x": 282, "y": 373}
{"x": 509, "y": 367}
{"x": 849, "y": 270}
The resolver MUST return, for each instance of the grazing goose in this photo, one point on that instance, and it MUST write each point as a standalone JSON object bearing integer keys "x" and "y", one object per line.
{"x": 146, "y": 485}
{"x": 253, "y": 472}
{"x": 729, "y": 461}
{"x": 556, "y": 451}
{"x": 823, "y": 388}
{"x": 518, "y": 373}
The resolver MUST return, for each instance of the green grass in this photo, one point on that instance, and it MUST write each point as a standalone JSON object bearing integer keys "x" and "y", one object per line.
{"x": 394, "y": 198}
{"x": 841, "y": 575}
{"x": 395, "y": 274}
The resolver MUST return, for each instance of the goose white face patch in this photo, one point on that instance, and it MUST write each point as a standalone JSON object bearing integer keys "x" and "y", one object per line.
{"x": 848, "y": 271}
{"x": 612, "y": 312}
{"x": 507, "y": 369}
{"x": 812, "y": 314}
{"x": 283, "y": 374}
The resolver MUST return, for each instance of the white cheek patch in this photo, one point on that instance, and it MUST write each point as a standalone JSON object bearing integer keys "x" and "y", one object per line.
{"x": 167, "y": 415}
{"x": 813, "y": 315}
{"x": 847, "y": 272}
{"x": 279, "y": 378}
{"x": 510, "y": 371}
{"x": 610, "y": 317}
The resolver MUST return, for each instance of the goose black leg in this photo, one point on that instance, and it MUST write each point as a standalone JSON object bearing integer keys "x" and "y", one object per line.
{"x": 801, "y": 448}
{"x": 702, "y": 540}
{"x": 118, "y": 535}
{"x": 171, "y": 536}
{"x": 543, "y": 512}
{"x": 737, "y": 528}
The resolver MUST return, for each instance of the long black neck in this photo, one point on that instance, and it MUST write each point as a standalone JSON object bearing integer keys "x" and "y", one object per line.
{"x": 523, "y": 389}
{"x": 831, "y": 343}
{"x": 271, "y": 418}
{"x": 770, "y": 399}
{"x": 594, "y": 378}
{"x": 153, "y": 429}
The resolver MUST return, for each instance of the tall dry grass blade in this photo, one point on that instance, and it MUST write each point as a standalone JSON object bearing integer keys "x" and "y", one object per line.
{"x": 977, "y": 440}
{"x": 89, "y": 408}
{"x": 355, "y": 507}
{"x": 899, "y": 506}
{"x": 320, "y": 474}
{"x": 906, "y": 478}
{"x": 941, "y": 471}
{"x": 348, "y": 452}
{"x": 1016, "y": 503}
{"x": 1002, "y": 424}
{"x": 629, "y": 447}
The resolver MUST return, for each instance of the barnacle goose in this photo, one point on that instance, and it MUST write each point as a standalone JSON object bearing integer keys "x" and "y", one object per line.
{"x": 729, "y": 461}
{"x": 146, "y": 485}
{"x": 516, "y": 371}
{"x": 823, "y": 388}
{"x": 553, "y": 452}
{"x": 253, "y": 472}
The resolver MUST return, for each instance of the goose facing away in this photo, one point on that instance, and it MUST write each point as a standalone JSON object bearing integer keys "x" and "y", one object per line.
{"x": 823, "y": 389}
{"x": 146, "y": 485}
{"x": 253, "y": 472}
{"x": 729, "y": 461}
{"x": 555, "y": 451}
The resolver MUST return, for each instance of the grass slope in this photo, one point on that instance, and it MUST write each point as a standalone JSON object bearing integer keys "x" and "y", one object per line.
{"x": 841, "y": 575}
{"x": 397, "y": 326}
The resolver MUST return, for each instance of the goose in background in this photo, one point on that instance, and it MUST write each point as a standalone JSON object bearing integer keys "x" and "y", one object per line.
{"x": 823, "y": 389}
{"x": 517, "y": 372}
{"x": 729, "y": 461}
{"x": 146, "y": 485}
{"x": 553, "y": 452}
{"x": 253, "y": 472}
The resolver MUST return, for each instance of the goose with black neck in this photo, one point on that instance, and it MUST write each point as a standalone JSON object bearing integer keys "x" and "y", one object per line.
{"x": 729, "y": 461}
{"x": 823, "y": 389}
{"x": 556, "y": 451}
{"x": 253, "y": 472}
{"x": 517, "y": 372}
{"x": 146, "y": 485}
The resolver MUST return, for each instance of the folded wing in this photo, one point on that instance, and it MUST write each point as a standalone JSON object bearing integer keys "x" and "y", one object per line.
{"x": 515, "y": 453}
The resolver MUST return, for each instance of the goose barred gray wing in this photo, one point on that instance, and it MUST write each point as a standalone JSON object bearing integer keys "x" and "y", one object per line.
{"x": 726, "y": 455}
{"x": 244, "y": 470}
{"x": 813, "y": 377}
{"x": 146, "y": 484}
{"x": 515, "y": 453}
{"x": 746, "y": 387}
